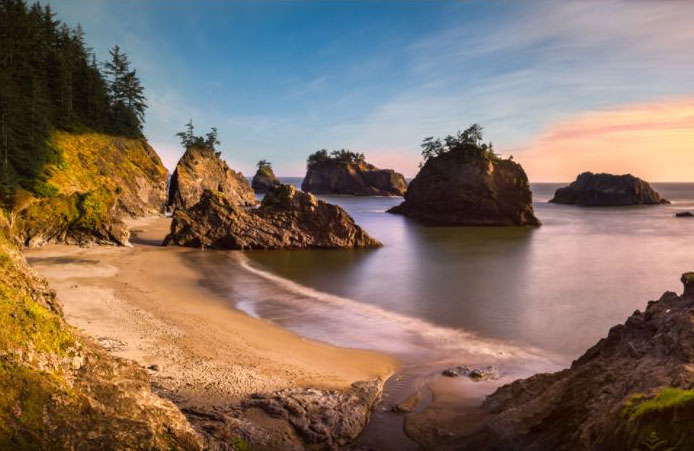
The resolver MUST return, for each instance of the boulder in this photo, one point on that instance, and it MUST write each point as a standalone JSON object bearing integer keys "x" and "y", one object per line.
{"x": 286, "y": 219}
{"x": 264, "y": 179}
{"x": 635, "y": 382}
{"x": 202, "y": 169}
{"x": 357, "y": 179}
{"x": 607, "y": 190}
{"x": 466, "y": 186}
{"x": 685, "y": 214}
{"x": 474, "y": 373}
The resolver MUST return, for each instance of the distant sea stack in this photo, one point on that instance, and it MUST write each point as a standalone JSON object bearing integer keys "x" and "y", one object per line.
{"x": 264, "y": 178}
{"x": 201, "y": 168}
{"x": 286, "y": 219}
{"x": 607, "y": 190}
{"x": 464, "y": 183}
{"x": 632, "y": 384}
{"x": 345, "y": 172}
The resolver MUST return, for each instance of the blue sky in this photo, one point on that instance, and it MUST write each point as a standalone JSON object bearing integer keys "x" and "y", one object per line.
{"x": 280, "y": 79}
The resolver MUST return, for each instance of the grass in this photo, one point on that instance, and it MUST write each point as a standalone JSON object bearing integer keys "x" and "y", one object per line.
{"x": 668, "y": 398}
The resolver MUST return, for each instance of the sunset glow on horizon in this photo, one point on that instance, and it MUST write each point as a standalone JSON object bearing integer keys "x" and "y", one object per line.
{"x": 654, "y": 141}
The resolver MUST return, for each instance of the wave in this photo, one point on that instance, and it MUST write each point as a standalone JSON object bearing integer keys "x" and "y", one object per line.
{"x": 421, "y": 332}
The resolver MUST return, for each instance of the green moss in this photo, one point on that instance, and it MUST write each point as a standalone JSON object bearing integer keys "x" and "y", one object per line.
{"x": 91, "y": 209}
{"x": 45, "y": 189}
{"x": 688, "y": 277}
{"x": 667, "y": 398}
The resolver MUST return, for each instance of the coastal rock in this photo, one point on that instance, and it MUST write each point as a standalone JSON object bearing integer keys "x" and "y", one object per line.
{"x": 461, "y": 187}
{"x": 685, "y": 214}
{"x": 264, "y": 179}
{"x": 201, "y": 169}
{"x": 474, "y": 373}
{"x": 357, "y": 178}
{"x": 323, "y": 419}
{"x": 59, "y": 389}
{"x": 636, "y": 382}
{"x": 95, "y": 183}
{"x": 607, "y": 190}
{"x": 286, "y": 219}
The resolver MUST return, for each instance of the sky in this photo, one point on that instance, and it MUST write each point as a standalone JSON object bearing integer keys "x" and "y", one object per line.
{"x": 563, "y": 86}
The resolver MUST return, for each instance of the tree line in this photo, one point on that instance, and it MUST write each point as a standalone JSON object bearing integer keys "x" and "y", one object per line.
{"x": 50, "y": 79}
{"x": 343, "y": 157}
{"x": 468, "y": 141}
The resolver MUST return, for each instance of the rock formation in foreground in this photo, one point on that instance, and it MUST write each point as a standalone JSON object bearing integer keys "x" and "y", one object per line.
{"x": 60, "y": 390}
{"x": 467, "y": 184}
{"x": 633, "y": 385}
{"x": 92, "y": 182}
{"x": 344, "y": 172}
{"x": 200, "y": 169}
{"x": 264, "y": 178}
{"x": 286, "y": 219}
{"x": 606, "y": 190}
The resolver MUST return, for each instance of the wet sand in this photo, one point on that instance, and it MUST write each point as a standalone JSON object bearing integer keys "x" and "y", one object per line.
{"x": 144, "y": 303}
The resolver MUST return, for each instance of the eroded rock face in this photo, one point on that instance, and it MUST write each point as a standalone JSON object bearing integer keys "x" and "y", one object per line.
{"x": 286, "y": 219}
{"x": 354, "y": 179}
{"x": 476, "y": 190}
{"x": 635, "y": 382}
{"x": 199, "y": 170}
{"x": 607, "y": 190}
{"x": 264, "y": 180}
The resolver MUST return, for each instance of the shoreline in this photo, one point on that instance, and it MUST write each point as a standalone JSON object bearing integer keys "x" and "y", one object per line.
{"x": 144, "y": 303}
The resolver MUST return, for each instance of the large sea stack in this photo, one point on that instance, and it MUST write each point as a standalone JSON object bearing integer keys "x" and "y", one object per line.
{"x": 264, "y": 178}
{"x": 605, "y": 190}
{"x": 467, "y": 184}
{"x": 200, "y": 169}
{"x": 344, "y": 172}
{"x": 634, "y": 387}
{"x": 286, "y": 219}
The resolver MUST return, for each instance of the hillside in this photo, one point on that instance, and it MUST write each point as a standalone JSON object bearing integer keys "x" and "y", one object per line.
{"x": 91, "y": 182}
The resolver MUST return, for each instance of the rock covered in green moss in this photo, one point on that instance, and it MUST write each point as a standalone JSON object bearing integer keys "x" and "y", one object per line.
{"x": 59, "y": 390}
{"x": 286, "y": 219}
{"x": 202, "y": 169}
{"x": 92, "y": 184}
{"x": 632, "y": 384}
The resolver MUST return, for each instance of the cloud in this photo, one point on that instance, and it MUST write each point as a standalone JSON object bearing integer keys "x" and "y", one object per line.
{"x": 652, "y": 140}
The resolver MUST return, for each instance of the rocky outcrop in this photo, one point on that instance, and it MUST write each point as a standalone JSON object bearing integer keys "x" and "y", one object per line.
{"x": 474, "y": 373}
{"x": 286, "y": 219}
{"x": 632, "y": 386}
{"x": 684, "y": 214}
{"x": 466, "y": 186}
{"x": 264, "y": 180}
{"x": 93, "y": 182}
{"x": 357, "y": 179}
{"x": 322, "y": 419}
{"x": 58, "y": 389}
{"x": 607, "y": 190}
{"x": 201, "y": 169}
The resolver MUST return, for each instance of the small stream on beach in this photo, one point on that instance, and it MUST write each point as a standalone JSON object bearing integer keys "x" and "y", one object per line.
{"x": 525, "y": 300}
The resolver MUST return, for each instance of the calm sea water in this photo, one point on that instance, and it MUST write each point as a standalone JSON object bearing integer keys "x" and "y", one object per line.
{"x": 543, "y": 294}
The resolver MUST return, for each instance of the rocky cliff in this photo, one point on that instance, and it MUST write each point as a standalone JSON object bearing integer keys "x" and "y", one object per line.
{"x": 466, "y": 186}
{"x": 286, "y": 219}
{"x": 632, "y": 390}
{"x": 264, "y": 180}
{"x": 607, "y": 190}
{"x": 59, "y": 390}
{"x": 358, "y": 179}
{"x": 201, "y": 169}
{"x": 92, "y": 182}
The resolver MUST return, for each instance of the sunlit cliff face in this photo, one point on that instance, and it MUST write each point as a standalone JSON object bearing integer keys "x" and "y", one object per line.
{"x": 654, "y": 141}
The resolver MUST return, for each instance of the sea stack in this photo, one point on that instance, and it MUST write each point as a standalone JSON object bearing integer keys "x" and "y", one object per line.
{"x": 264, "y": 178}
{"x": 200, "y": 169}
{"x": 465, "y": 183}
{"x": 286, "y": 219}
{"x": 607, "y": 190}
{"x": 345, "y": 172}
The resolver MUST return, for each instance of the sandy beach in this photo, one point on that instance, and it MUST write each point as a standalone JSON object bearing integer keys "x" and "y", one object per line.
{"x": 144, "y": 303}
